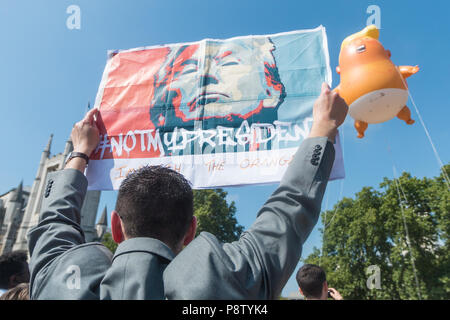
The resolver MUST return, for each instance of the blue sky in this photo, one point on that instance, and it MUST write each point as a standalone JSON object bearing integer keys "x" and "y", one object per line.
{"x": 48, "y": 73}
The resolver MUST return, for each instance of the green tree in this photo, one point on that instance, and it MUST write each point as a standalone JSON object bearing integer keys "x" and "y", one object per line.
{"x": 108, "y": 242}
{"x": 373, "y": 229}
{"x": 215, "y": 215}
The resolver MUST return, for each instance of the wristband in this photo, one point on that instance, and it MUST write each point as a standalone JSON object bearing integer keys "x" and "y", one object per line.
{"x": 77, "y": 155}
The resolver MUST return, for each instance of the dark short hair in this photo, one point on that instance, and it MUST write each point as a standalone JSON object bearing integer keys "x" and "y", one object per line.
{"x": 19, "y": 292}
{"x": 12, "y": 263}
{"x": 155, "y": 202}
{"x": 310, "y": 279}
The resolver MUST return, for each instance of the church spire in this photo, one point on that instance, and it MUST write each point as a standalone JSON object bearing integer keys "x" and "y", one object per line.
{"x": 34, "y": 198}
{"x": 69, "y": 147}
{"x": 49, "y": 144}
{"x": 18, "y": 193}
{"x": 103, "y": 221}
{"x": 102, "y": 225}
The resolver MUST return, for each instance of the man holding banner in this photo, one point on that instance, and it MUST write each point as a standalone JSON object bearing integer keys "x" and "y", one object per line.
{"x": 202, "y": 115}
{"x": 255, "y": 267}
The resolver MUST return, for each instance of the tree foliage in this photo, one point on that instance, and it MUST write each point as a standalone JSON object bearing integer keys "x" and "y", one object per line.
{"x": 215, "y": 215}
{"x": 370, "y": 230}
{"x": 108, "y": 242}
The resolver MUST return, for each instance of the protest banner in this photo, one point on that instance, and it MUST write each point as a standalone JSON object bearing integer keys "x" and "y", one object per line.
{"x": 221, "y": 112}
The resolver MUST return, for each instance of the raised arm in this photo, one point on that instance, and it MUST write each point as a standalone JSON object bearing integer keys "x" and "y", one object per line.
{"x": 260, "y": 263}
{"x": 59, "y": 227}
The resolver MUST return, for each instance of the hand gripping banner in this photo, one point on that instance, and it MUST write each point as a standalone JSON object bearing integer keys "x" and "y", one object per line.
{"x": 221, "y": 112}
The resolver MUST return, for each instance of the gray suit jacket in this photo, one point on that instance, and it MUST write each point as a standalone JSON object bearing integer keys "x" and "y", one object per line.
{"x": 63, "y": 266}
{"x": 257, "y": 266}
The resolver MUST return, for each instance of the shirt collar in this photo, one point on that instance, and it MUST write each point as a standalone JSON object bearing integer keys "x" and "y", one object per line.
{"x": 147, "y": 245}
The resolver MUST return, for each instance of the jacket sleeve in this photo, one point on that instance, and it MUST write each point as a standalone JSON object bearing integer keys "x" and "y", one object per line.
{"x": 59, "y": 228}
{"x": 274, "y": 242}
{"x": 259, "y": 264}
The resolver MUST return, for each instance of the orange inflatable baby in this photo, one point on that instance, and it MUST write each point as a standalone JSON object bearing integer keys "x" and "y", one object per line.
{"x": 373, "y": 87}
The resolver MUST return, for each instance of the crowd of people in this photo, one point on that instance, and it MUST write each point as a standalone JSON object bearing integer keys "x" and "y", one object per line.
{"x": 158, "y": 255}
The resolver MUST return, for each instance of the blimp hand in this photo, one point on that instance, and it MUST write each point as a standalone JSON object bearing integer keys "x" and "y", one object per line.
{"x": 329, "y": 113}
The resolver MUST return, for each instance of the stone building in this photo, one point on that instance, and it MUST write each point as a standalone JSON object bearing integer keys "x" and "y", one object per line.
{"x": 20, "y": 206}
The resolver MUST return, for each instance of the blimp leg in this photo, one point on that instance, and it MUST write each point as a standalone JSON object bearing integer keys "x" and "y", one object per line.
{"x": 361, "y": 127}
{"x": 408, "y": 71}
{"x": 405, "y": 115}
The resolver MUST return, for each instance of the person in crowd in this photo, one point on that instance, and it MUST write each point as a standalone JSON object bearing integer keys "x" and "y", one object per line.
{"x": 13, "y": 270}
{"x": 312, "y": 283}
{"x": 19, "y": 292}
{"x": 153, "y": 220}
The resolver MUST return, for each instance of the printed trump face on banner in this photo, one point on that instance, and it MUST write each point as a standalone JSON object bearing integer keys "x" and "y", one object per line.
{"x": 227, "y": 82}
{"x": 222, "y": 112}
